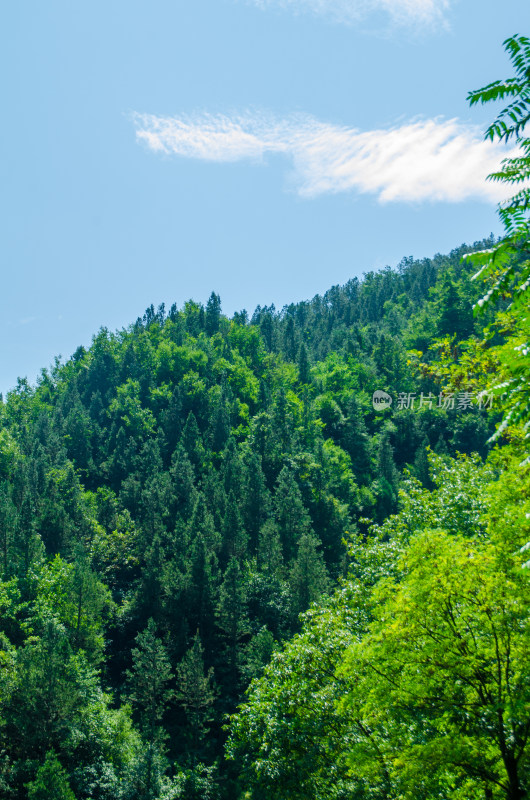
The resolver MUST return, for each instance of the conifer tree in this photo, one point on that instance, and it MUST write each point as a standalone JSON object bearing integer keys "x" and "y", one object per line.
{"x": 233, "y": 469}
{"x": 7, "y": 530}
{"x": 148, "y": 678}
{"x": 212, "y": 490}
{"x": 257, "y": 654}
{"x": 290, "y": 339}
{"x": 387, "y": 476}
{"x": 213, "y": 314}
{"x": 281, "y": 422}
{"x": 232, "y": 620}
{"x": 269, "y": 556}
{"x": 291, "y": 515}
{"x": 309, "y": 578}
{"x": 421, "y": 464}
{"x": 191, "y": 440}
{"x": 195, "y": 691}
{"x": 201, "y": 523}
{"x": 89, "y": 596}
{"x": 356, "y": 442}
{"x": 51, "y": 693}
{"x": 172, "y": 422}
{"x": 304, "y": 373}
{"x": 256, "y": 505}
{"x": 27, "y": 542}
{"x": 234, "y": 536}
{"x": 183, "y": 491}
{"x": 150, "y": 588}
{"x": 202, "y": 591}
{"x": 119, "y": 461}
{"x": 219, "y": 429}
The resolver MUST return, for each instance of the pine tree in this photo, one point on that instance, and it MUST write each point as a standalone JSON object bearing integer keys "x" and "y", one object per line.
{"x": 213, "y": 314}
{"x": 219, "y": 429}
{"x": 356, "y": 442}
{"x": 270, "y": 557}
{"x": 191, "y": 440}
{"x": 291, "y": 515}
{"x": 421, "y": 464}
{"x": 195, "y": 691}
{"x": 290, "y": 340}
{"x": 235, "y": 539}
{"x": 149, "y": 591}
{"x": 182, "y": 494}
{"x": 212, "y": 490}
{"x": 201, "y": 523}
{"x": 7, "y": 531}
{"x": 148, "y": 678}
{"x": 233, "y": 469}
{"x": 309, "y": 578}
{"x": 387, "y": 476}
{"x": 51, "y": 693}
{"x": 256, "y": 505}
{"x": 233, "y": 622}
{"x": 304, "y": 372}
{"x": 266, "y": 325}
{"x": 171, "y": 421}
{"x": 281, "y": 422}
{"x": 27, "y": 543}
{"x": 202, "y": 591}
{"x": 89, "y": 596}
{"x": 455, "y": 315}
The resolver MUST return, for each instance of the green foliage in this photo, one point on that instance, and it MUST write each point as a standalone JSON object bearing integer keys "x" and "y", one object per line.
{"x": 309, "y": 578}
{"x": 195, "y": 691}
{"x": 506, "y": 267}
{"x": 439, "y": 679}
{"x": 290, "y": 736}
{"x": 173, "y": 496}
{"x": 8, "y": 452}
{"x": 410, "y": 681}
{"x": 72, "y": 595}
{"x": 148, "y": 679}
{"x": 51, "y": 782}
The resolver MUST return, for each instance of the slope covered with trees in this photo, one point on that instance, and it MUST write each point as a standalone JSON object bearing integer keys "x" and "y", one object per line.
{"x": 175, "y": 496}
{"x": 411, "y": 680}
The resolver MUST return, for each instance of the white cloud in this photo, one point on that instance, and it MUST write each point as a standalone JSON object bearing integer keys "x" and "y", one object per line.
{"x": 418, "y": 12}
{"x": 426, "y": 160}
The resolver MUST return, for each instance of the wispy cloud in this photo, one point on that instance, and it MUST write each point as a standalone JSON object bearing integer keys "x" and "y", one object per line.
{"x": 426, "y": 160}
{"x": 416, "y": 12}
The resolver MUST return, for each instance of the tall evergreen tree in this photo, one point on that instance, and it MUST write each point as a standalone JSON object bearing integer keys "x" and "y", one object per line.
{"x": 191, "y": 441}
{"x": 233, "y": 621}
{"x": 213, "y": 314}
{"x": 291, "y": 515}
{"x": 148, "y": 681}
{"x": 256, "y": 505}
{"x": 309, "y": 578}
{"x": 235, "y": 538}
{"x": 304, "y": 373}
{"x": 196, "y": 693}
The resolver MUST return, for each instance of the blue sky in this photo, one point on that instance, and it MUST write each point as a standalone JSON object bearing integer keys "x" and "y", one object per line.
{"x": 264, "y": 149}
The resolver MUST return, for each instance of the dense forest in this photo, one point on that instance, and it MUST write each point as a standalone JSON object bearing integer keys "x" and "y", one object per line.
{"x": 227, "y": 573}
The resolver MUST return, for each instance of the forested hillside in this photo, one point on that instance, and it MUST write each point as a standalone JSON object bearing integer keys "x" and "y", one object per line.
{"x": 196, "y": 503}
{"x": 411, "y": 679}
{"x": 173, "y": 497}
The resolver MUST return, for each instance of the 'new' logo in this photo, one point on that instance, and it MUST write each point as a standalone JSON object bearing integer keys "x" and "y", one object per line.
{"x": 381, "y": 400}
